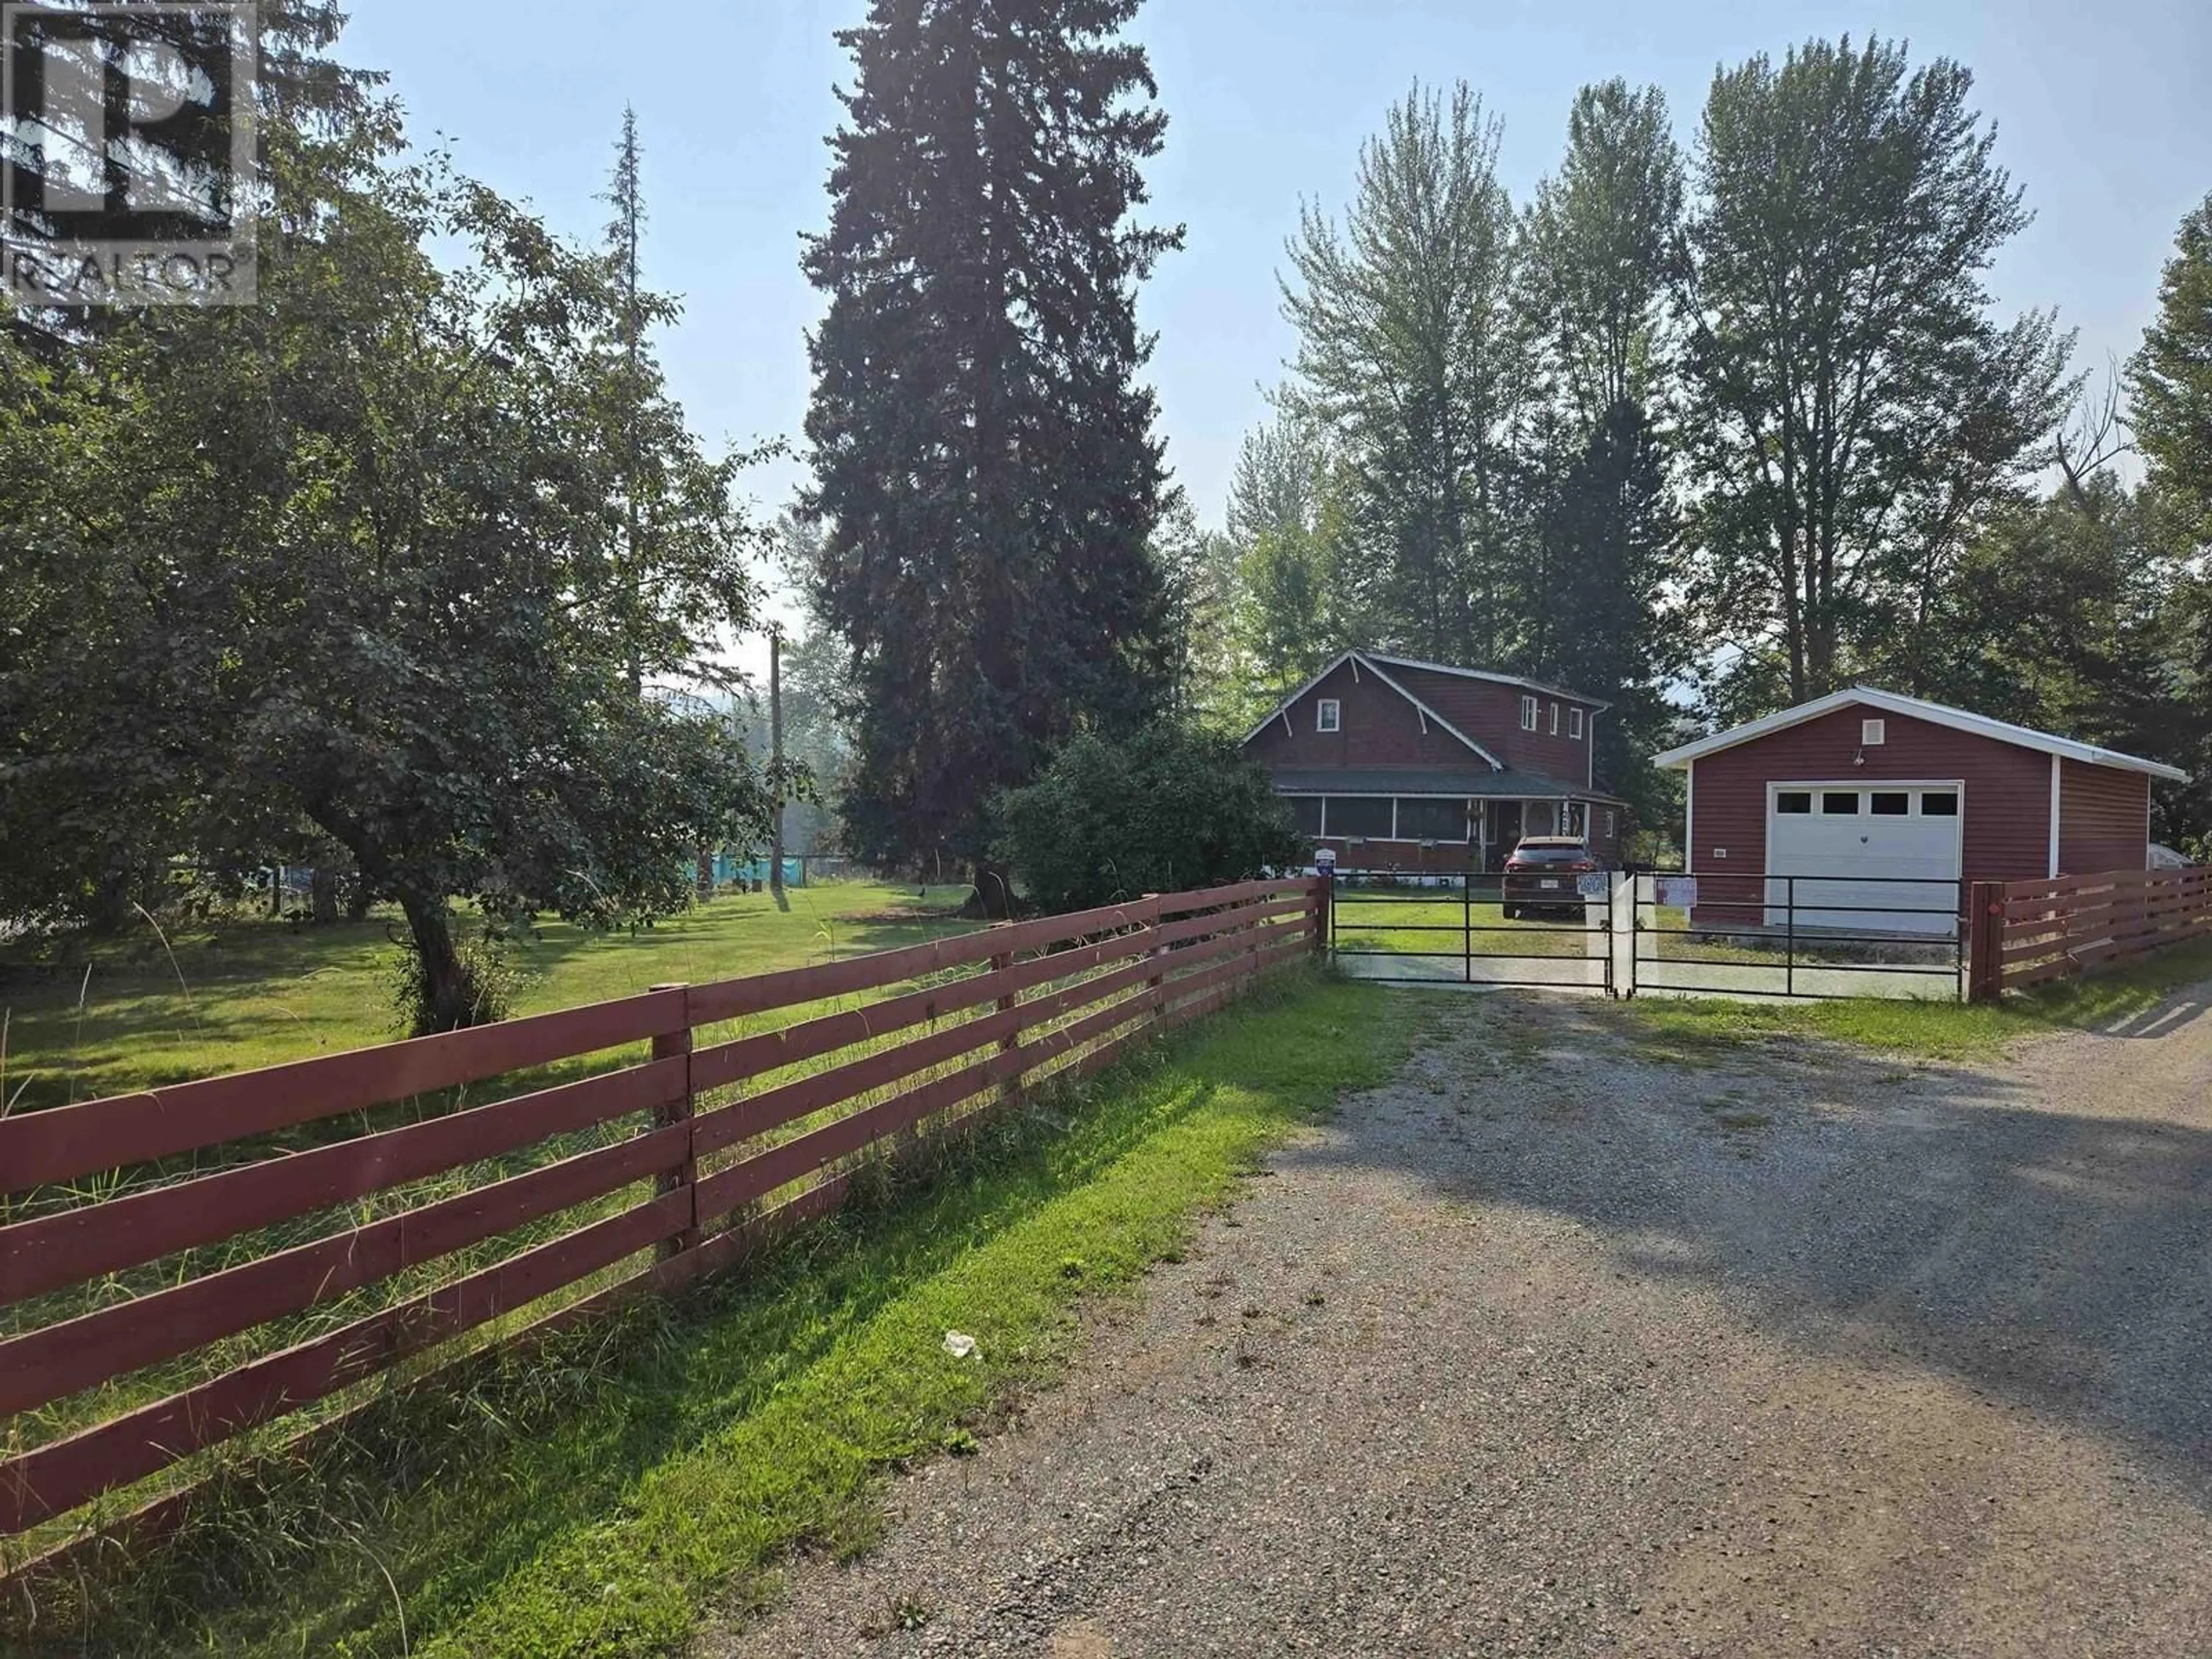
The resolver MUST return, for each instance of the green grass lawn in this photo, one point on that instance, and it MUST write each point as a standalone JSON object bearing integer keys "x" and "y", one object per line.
{"x": 1689, "y": 1028}
{"x": 255, "y": 993}
{"x": 141, "y": 1010}
{"x": 608, "y": 1497}
{"x": 1402, "y": 924}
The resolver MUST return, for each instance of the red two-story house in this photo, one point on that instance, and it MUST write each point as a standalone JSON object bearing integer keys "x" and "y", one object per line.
{"x": 1414, "y": 766}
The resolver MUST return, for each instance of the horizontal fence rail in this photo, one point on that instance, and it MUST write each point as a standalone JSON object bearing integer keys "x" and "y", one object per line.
{"x": 181, "y": 1266}
{"x": 2032, "y": 933}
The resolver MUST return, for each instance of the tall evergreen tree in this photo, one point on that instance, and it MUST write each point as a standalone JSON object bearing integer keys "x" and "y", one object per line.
{"x": 984, "y": 457}
{"x": 625, "y": 236}
{"x": 1596, "y": 608}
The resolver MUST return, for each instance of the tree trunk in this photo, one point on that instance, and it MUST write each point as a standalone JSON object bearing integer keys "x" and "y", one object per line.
{"x": 323, "y": 895}
{"x": 446, "y": 993}
{"x": 995, "y": 897}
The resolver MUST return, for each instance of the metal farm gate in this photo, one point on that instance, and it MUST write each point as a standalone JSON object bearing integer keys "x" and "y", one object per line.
{"x": 1467, "y": 928}
{"x": 1623, "y": 933}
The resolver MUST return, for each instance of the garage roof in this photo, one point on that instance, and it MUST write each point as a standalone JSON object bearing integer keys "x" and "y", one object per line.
{"x": 1936, "y": 713}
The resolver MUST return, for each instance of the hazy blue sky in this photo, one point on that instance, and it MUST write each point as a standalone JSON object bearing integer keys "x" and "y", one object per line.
{"x": 2103, "y": 111}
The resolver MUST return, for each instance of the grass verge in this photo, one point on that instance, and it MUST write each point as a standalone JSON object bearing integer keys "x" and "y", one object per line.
{"x": 1686, "y": 1027}
{"x": 605, "y": 1499}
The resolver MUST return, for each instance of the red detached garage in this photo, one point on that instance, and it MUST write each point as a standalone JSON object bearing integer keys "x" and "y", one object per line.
{"x": 1867, "y": 808}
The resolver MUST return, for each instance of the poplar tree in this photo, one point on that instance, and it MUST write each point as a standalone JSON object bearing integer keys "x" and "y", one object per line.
{"x": 987, "y": 474}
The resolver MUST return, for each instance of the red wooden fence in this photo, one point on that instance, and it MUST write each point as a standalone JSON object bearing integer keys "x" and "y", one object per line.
{"x": 2031, "y": 932}
{"x": 736, "y": 1142}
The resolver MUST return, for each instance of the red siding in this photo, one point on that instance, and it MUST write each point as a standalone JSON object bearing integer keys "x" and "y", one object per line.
{"x": 2006, "y": 791}
{"x": 2104, "y": 819}
{"x": 1489, "y": 713}
{"x": 1378, "y": 728}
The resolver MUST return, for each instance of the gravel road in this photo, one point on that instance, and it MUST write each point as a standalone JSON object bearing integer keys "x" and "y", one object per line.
{"x": 1553, "y": 1346}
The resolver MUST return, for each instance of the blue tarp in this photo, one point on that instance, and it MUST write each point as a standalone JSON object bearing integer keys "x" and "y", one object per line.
{"x": 729, "y": 869}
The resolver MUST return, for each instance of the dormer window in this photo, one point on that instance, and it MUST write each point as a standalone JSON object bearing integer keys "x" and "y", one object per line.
{"x": 1329, "y": 715}
{"x": 1527, "y": 714}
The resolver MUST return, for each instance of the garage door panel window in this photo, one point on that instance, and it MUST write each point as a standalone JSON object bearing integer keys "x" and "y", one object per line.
{"x": 1868, "y": 860}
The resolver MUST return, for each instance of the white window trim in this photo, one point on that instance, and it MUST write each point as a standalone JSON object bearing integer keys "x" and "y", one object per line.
{"x": 1575, "y": 723}
{"x": 1323, "y": 707}
{"x": 1555, "y": 720}
{"x": 1527, "y": 714}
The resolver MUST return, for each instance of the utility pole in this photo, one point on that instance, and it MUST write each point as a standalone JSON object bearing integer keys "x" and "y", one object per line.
{"x": 776, "y": 752}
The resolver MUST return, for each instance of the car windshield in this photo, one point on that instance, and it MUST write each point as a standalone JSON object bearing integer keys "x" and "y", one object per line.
{"x": 1555, "y": 854}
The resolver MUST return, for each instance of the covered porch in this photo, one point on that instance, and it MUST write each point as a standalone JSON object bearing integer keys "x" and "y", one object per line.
{"x": 1446, "y": 823}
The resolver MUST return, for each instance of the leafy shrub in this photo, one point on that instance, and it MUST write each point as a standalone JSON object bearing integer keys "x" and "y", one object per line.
{"x": 1163, "y": 812}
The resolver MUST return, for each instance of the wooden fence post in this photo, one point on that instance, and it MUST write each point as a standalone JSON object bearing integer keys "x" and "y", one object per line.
{"x": 670, "y": 1045}
{"x": 1010, "y": 1083}
{"x": 1986, "y": 938}
{"x": 1156, "y": 986}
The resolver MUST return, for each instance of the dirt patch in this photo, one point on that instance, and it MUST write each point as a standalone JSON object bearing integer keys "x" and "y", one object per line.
{"x": 1550, "y": 1348}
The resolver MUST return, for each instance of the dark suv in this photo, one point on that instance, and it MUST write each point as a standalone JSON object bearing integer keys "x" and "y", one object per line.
{"x": 1544, "y": 873}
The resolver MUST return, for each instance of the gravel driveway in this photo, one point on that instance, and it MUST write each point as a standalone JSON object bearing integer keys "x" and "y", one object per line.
{"x": 1551, "y": 1346}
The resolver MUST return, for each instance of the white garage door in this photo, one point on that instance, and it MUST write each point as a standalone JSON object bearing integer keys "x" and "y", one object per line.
{"x": 1864, "y": 858}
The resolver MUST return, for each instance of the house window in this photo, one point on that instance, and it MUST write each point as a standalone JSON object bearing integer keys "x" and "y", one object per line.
{"x": 1611, "y": 826}
{"x": 1939, "y": 804}
{"x": 1431, "y": 820}
{"x": 1555, "y": 720}
{"x": 1794, "y": 803}
{"x": 1840, "y": 804}
{"x": 1873, "y": 734}
{"x": 1305, "y": 814}
{"x": 1890, "y": 804}
{"x": 1527, "y": 714}
{"x": 1359, "y": 817}
{"x": 1574, "y": 722}
{"x": 1329, "y": 715}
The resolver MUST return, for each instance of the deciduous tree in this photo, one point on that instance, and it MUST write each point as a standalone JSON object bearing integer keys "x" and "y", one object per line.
{"x": 1851, "y": 408}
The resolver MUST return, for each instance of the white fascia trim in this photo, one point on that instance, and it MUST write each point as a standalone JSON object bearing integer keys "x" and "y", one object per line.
{"x": 1496, "y": 764}
{"x": 1282, "y": 710}
{"x": 1936, "y": 713}
{"x": 1374, "y": 657}
{"x": 2057, "y": 809}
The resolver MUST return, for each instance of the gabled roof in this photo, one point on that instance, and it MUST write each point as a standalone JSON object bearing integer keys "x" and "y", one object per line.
{"x": 1936, "y": 713}
{"x": 1362, "y": 660}
{"x": 1485, "y": 674}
